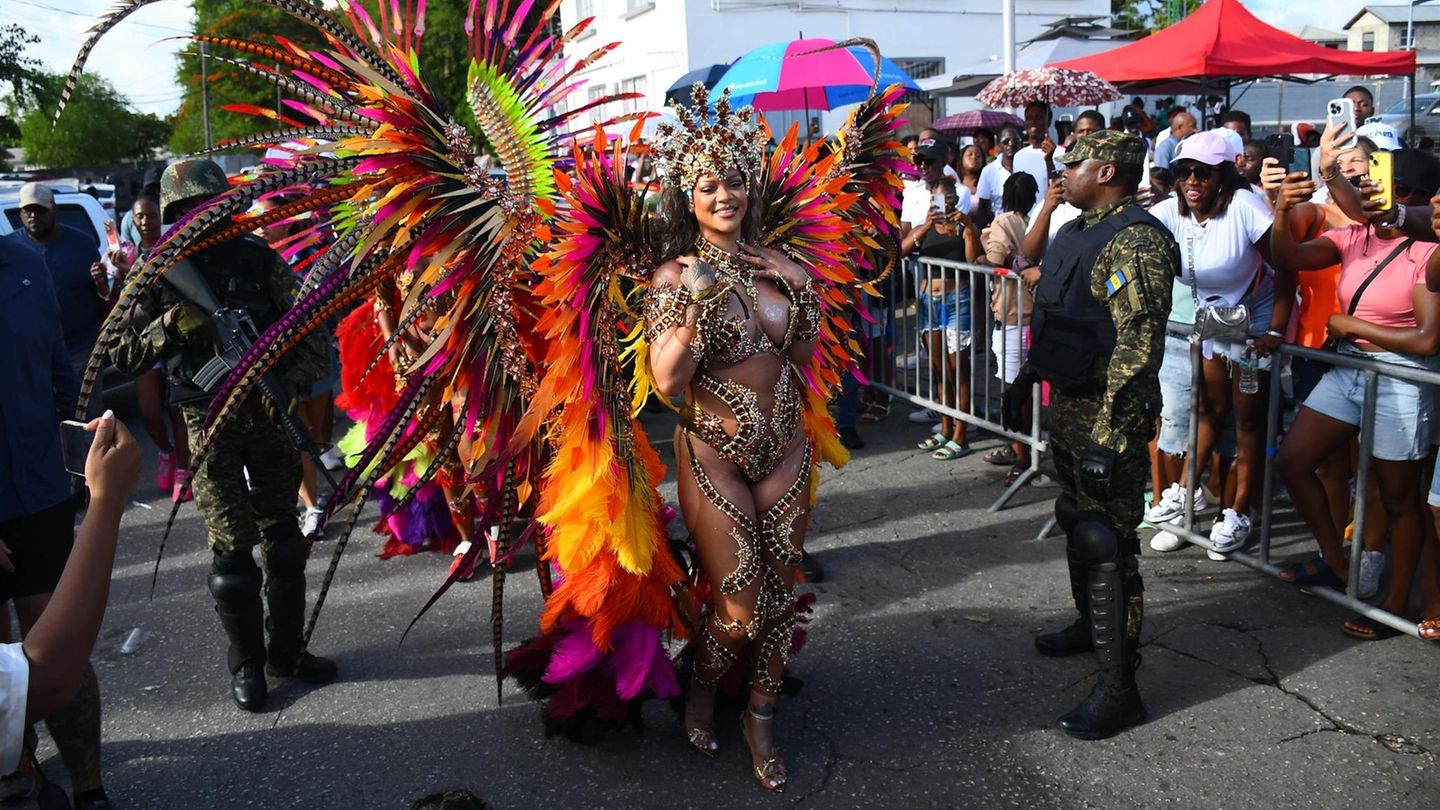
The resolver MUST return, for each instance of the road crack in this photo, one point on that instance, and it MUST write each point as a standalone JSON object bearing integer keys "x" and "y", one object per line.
{"x": 1397, "y": 743}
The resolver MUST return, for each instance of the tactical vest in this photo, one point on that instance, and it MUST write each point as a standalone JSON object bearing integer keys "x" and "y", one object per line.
{"x": 1070, "y": 331}
{"x": 237, "y": 272}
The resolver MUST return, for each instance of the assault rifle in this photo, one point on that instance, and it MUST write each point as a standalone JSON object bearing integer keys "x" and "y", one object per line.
{"x": 235, "y": 333}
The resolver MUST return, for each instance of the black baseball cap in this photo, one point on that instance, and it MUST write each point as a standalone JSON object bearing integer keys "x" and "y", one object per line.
{"x": 932, "y": 149}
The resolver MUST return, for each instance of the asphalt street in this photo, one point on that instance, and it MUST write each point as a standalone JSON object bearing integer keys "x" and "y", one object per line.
{"x": 922, "y": 686}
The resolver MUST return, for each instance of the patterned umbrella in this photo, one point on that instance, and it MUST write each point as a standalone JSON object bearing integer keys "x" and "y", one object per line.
{"x": 966, "y": 123}
{"x": 1054, "y": 86}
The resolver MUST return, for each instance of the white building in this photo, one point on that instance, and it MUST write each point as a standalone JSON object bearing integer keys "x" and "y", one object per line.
{"x": 662, "y": 40}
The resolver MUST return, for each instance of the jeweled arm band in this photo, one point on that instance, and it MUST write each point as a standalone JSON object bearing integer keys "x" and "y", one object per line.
{"x": 665, "y": 309}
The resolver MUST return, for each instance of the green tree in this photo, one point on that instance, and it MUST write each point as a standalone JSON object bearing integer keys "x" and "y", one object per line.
{"x": 97, "y": 126}
{"x": 444, "y": 63}
{"x": 1146, "y": 16}
{"x": 17, "y": 80}
{"x": 229, "y": 85}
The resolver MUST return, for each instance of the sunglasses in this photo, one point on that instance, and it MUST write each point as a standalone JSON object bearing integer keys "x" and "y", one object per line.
{"x": 1010, "y": 141}
{"x": 1200, "y": 172}
{"x": 924, "y": 161}
{"x": 1403, "y": 192}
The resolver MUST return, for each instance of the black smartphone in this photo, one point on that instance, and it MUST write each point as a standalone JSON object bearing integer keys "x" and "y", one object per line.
{"x": 1278, "y": 146}
{"x": 75, "y": 443}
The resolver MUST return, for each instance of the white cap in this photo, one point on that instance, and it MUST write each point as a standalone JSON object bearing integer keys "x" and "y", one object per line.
{"x": 36, "y": 194}
{"x": 1383, "y": 136}
{"x": 1233, "y": 142}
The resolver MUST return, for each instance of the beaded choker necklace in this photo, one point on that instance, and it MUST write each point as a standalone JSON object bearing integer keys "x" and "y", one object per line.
{"x": 728, "y": 266}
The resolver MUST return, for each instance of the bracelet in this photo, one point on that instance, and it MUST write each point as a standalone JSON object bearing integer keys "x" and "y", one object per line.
{"x": 1274, "y": 333}
{"x": 1334, "y": 173}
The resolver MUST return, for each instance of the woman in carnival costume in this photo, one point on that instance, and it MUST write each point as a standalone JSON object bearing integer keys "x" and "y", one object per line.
{"x": 552, "y": 325}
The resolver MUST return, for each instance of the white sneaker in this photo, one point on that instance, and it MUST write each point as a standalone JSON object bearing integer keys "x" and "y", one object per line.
{"x": 1165, "y": 541}
{"x": 922, "y": 416}
{"x": 1372, "y": 565}
{"x": 1164, "y": 509}
{"x": 1229, "y": 533}
{"x": 310, "y": 522}
{"x": 1171, "y": 505}
{"x": 332, "y": 459}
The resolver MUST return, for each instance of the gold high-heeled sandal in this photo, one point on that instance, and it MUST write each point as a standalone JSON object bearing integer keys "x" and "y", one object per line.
{"x": 703, "y": 740}
{"x": 771, "y": 772}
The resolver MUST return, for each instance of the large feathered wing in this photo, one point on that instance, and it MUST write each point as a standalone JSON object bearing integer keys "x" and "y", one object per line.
{"x": 601, "y": 650}
{"x": 381, "y": 166}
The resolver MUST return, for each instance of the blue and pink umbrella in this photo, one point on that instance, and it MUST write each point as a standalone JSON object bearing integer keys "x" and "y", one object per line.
{"x": 790, "y": 76}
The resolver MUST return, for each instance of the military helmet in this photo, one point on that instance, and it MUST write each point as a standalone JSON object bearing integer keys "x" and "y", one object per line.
{"x": 187, "y": 179}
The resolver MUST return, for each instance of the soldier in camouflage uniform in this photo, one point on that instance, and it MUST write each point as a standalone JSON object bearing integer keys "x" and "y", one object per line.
{"x": 1098, "y": 335}
{"x": 244, "y": 274}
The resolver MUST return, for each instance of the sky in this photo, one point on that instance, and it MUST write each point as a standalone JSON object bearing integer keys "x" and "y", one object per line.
{"x": 138, "y": 60}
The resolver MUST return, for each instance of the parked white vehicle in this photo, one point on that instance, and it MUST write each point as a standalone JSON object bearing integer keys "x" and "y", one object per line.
{"x": 80, "y": 211}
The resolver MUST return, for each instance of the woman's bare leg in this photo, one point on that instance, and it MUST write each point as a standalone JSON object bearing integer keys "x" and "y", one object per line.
{"x": 1312, "y": 438}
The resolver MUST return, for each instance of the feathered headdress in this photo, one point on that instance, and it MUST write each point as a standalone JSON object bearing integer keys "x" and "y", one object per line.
{"x": 699, "y": 143}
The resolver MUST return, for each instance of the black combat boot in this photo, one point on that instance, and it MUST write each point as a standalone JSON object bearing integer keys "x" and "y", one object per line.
{"x": 1076, "y": 638}
{"x": 285, "y": 595}
{"x": 235, "y": 584}
{"x": 1116, "y": 610}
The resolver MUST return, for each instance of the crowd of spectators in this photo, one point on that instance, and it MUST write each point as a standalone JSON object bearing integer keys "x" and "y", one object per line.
{"x": 1289, "y": 256}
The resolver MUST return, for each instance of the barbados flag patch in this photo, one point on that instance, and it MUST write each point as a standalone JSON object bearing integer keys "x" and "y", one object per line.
{"x": 1116, "y": 282}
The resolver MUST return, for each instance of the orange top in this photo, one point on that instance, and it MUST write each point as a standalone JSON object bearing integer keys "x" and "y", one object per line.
{"x": 1318, "y": 301}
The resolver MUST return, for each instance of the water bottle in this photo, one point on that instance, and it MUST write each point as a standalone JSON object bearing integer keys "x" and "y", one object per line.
{"x": 132, "y": 641}
{"x": 1249, "y": 370}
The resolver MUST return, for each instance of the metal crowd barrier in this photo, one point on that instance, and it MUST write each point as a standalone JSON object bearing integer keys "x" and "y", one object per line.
{"x": 925, "y": 386}
{"x": 1260, "y": 561}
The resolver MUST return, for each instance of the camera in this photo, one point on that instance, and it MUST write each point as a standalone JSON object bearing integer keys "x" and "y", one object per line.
{"x": 1336, "y": 109}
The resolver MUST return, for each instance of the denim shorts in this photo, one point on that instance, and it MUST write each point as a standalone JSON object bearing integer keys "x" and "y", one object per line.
{"x": 1403, "y": 417}
{"x": 1174, "y": 438}
{"x": 950, "y": 312}
{"x": 1175, "y": 391}
{"x": 1434, "y": 498}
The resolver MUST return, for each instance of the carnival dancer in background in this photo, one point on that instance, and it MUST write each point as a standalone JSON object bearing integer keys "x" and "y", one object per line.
{"x": 1098, "y": 336}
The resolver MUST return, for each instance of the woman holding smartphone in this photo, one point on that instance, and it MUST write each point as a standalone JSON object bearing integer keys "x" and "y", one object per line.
{"x": 943, "y": 305}
{"x": 1223, "y": 230}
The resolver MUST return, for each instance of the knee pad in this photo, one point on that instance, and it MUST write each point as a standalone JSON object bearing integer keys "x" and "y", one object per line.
{"x": 234, "y": 576}
{"x": 1067, "y": 513}
{"x": 286, "y": 552}
{"x": 1095, "y": 543}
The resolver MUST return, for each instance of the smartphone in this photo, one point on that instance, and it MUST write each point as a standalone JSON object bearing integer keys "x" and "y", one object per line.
{"x": 1341, "y": 111}
{"x": 1278, "y": 146}
{"x": 75, "y": 443}
{"x": 112, "y": 235}
{"x": 1298, "y": 159}
{"x": 1382, "y": 171}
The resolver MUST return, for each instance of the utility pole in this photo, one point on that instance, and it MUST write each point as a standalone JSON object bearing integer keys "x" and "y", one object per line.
{"x": 205, "y": 96}
{"x": 1007, "y": 17}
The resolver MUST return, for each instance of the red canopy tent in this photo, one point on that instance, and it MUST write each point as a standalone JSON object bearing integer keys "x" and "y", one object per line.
{"x": 1220, "y": 43}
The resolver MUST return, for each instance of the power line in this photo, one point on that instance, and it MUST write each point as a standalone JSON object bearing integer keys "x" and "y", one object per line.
{"x": 59, "y": 10}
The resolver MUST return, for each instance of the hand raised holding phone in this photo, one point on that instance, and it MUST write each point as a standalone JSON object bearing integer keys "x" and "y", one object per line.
{"x": 105, "y": 453}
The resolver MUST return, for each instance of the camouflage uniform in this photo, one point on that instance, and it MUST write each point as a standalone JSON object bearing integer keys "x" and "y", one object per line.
{"x": 244, "y": 274}
{"x": 1102, "y": 421}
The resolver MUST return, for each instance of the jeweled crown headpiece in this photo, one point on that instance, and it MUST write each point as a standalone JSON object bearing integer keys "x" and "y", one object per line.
{"x": 699, "y": 143}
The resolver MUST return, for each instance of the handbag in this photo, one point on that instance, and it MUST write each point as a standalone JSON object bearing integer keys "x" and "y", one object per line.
{"x": 1332, "y": 344}
{"x": 1230, "y": 324}
{"x": 1227, "y": 323}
